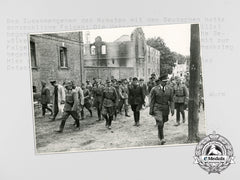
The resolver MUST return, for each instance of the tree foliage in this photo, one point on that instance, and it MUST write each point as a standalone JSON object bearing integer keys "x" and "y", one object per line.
{"x": 167, "y": 57}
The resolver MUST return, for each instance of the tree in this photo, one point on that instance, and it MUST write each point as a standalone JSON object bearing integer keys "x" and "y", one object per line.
{"x": 193, "y": 117}
{"x": 167, "y": 58}
{"x": 181, "y": 59}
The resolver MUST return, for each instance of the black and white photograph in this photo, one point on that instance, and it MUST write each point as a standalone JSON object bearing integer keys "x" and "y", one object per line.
{"x": 129, "y": 87}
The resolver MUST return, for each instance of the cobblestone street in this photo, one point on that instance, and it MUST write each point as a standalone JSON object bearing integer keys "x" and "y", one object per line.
{"x": 94, "y": 135}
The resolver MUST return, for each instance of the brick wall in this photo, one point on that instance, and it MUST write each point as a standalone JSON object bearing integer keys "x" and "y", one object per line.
{"x": 47, "y": 48}
{"x": 107, "y": 72}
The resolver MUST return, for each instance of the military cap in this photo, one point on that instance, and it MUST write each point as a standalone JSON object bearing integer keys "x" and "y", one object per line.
{"x": 135, "y": 79}
{"x": 107, "y": 81}
{"x": 141, "y": 79}
{"x": 53, "y": 81}
{"x": 163, "y": 77}
{"x": 68, "y": 83}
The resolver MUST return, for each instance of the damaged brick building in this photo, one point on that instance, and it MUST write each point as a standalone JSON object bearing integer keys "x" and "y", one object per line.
{"x": 63, "y": 57}
{"x": 128, "y": 56}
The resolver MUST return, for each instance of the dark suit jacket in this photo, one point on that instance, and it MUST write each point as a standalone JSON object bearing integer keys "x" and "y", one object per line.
{"x": 45, "y": 96}
{"x": 136, "y": 95}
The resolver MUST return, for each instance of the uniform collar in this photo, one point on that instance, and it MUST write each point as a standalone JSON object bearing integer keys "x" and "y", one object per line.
{"x": 162, "y": 87}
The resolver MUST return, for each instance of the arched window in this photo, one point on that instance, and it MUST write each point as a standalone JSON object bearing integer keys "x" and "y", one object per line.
{"x": 93, "y": 50}
{"x": 104, "y": 49}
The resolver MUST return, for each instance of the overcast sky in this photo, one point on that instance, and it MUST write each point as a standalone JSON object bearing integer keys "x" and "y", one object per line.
{"x": 176, "y": 37}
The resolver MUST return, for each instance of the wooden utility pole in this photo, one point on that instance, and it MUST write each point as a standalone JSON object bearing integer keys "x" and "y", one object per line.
{"x": 193, "y": 116}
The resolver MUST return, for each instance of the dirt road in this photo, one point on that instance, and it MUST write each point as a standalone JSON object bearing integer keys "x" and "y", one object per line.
{"x": 94, "y": 135}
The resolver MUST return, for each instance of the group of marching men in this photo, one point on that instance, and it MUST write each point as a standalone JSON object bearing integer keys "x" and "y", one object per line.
{"x": 110, "y": 98}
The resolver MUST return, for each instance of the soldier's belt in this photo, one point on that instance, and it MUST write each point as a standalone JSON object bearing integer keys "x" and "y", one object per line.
{"x": 180, "y": 95}
{"x": 161, "y": 104}
{"x": 70, "y": 103}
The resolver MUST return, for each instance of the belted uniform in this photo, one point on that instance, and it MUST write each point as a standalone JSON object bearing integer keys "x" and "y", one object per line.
{"x": 70, "y": 108}
{"x": 109, "y": 99}
{"x": 97, "y": 93}
{"x": 180, "y": 99}
{"x": 161, "y": 99}
{"x": 123, "y": 98}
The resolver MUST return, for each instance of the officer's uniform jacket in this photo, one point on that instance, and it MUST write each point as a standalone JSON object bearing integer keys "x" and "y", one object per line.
{"x": 124, "y": 91}
{"x": 71, "y": 100}
{"x": 97, "y": 92}
{"x": 80, "y": 95}
{"x": 161, "y": 100}
{"x": 109, "y": 97}
{"x": 180, "y": 93}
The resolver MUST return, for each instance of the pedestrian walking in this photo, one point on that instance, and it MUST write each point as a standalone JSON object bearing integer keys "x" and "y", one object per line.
{"x": 58, "y": 99}
{"x": 109, "y": 99}
{"x": 180, "y": 99}
{"x": 45, "y": 98}
{"x": 80, "y": 95}
{"x": 161, "y": 100}
{"x": 97, "y": 93}
{"x": 70, "y": 107}
{"x": 124, "y": 97}
{"x": 136, "y": 100}
{"x": 87, "y": 98}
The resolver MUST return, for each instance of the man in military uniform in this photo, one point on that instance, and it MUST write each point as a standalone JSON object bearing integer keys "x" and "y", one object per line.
{"x": 109, "y": 99}
{"x": 161, "y": 99}
{"x": 124, "y": 97}
{"x": 136, "y": 100}
{"x": 79, "y": 91}
{"x": 70, "y": 107}
{"x": 97, "y": 93}
{"x": 116, "y": 84}
{"x": 151, "y": 83}
{"x": 45, "y": 98}
{"x": 87, "y": 104}
{"x": 180, "y": 99}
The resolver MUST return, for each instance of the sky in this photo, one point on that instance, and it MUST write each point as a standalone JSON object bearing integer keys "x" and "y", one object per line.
{"x": 176, "y": 37}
